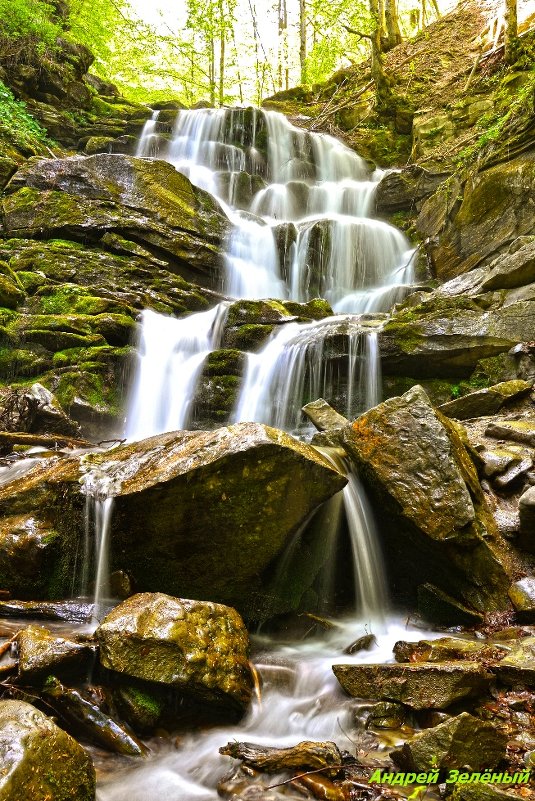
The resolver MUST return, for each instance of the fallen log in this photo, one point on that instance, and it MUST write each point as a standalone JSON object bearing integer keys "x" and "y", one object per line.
{"x": 307, "y": 755}
{"x": 9, "y": 439}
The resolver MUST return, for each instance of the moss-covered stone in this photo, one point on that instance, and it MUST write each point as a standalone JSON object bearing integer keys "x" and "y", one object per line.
{"x": 39, "y": 760}
{"x": 463, "y": 742}
{"x": 41, "y": 653}
{"x": 197, "y": 647}
{"x": 90, "y": 196}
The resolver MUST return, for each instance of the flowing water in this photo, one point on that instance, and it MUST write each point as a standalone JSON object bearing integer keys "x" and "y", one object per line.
{"x": 300, "y": 205}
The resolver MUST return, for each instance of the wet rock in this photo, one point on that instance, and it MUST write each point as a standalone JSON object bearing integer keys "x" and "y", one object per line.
{"x": 513, "y": 474}
{"x": 141, "y": 704}
{"x": 204, "y": 514}
{"x": 518, "y": 667}
{"x": 386, "y": 715}
{"x": 364, "y": 643}
{"x": 436, "y": 519}
{"x": 35, "y": 410}
{"x": 526, "y": 511}
{"x": 440, "y": 608}
{"x": 515, "y": 430}
{"x": 146, "y": 199}
{"x": 486, "y": 401}
{"x": 41, "y": 652}
{"x": 303, "y": 756}
{"x": 71, "y": 611}
{"x": 419, "y": 686}
{"x": 498, "y": 461}
{"x": 522, "y": 594}
{"x": 463, "y": 742}
{"x": 445, "y": 649}
{"x": 406, "y": 189}
{"x": 90, "y": 721}
{"x": 198, "y": 648}
{"x": 514, "y": 269}
{"x": 39, "y": 760}
{"x": 323, "y": 415}
{"x": 218, "y": 388}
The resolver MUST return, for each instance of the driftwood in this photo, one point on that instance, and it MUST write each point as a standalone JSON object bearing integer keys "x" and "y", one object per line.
{"x": 322, "y": 787}
{"x": 305, "y": 755}
{"x": 8, "y": 439}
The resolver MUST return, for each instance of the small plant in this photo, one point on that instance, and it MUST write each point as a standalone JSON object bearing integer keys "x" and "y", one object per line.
{"x": 17, "y": 124}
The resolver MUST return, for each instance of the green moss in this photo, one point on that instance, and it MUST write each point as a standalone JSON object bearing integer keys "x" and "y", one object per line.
{"x": 72, "y": 299}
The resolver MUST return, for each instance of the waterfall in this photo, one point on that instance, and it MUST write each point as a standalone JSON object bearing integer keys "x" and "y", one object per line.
{"x": 300, "y": 204}
{"x": 98, "y": 515}
{"x": 171, "y": 356}
{"x": 292, "y": 369}
{"x": 149, "y": 140}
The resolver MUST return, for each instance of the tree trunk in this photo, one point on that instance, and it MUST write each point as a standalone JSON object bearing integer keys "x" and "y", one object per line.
{"x": 303, "y": 40}
{"x": 393, "y": 33}
{"x": 221, "y": 51}
{"x": 382, "y": 84}
{"x": 511, "y": 31}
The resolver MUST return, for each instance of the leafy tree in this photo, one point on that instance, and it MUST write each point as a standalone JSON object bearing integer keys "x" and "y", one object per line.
{"x": 27, "y": 26}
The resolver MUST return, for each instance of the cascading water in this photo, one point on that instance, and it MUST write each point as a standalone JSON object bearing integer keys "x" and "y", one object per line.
{"x": 171, "y": 356}
{"x": 300, "y": 205}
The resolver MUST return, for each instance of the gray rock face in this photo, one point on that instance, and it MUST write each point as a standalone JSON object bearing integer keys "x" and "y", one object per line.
{"x": 406, "y": 189}
{"x": 447, "y": 336}
{"x": 92, "y": 195}
{"x": 39, "y": 760}
{"x": 196, "y": 647}
{"x": 324, "y": 416}
{"x": 522, "y": 594}
{"x": 437, "y": 522}
{"x": 498, "y": 206}
{"x": 463, "y": 742}
{"x": 514, "y": 269}
{"x": 420, "y": 686}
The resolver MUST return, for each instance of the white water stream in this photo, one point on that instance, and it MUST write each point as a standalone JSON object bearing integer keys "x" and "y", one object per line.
{"x": 300, "y": 207}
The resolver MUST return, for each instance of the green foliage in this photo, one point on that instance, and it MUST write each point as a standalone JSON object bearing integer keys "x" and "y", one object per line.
{"x": 27, "y": 24}
{"x": 17, "y": 124}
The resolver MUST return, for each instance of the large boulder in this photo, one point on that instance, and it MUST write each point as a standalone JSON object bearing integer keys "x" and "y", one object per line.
{"x": 204, "y": 515}
{"x": 486, "y": 401}
{"x": 420, "y": 686}
{"x": 196, "y": 514}
{"x": 39, "y": 760}
{"x": 146, "y": 200}
{"x": 196, "y": 647}
{"x": 436, "y": 520}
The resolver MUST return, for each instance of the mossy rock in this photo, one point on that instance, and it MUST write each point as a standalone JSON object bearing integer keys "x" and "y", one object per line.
{"x": 40, "y": 760}
{"x": 196, "y": 647}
